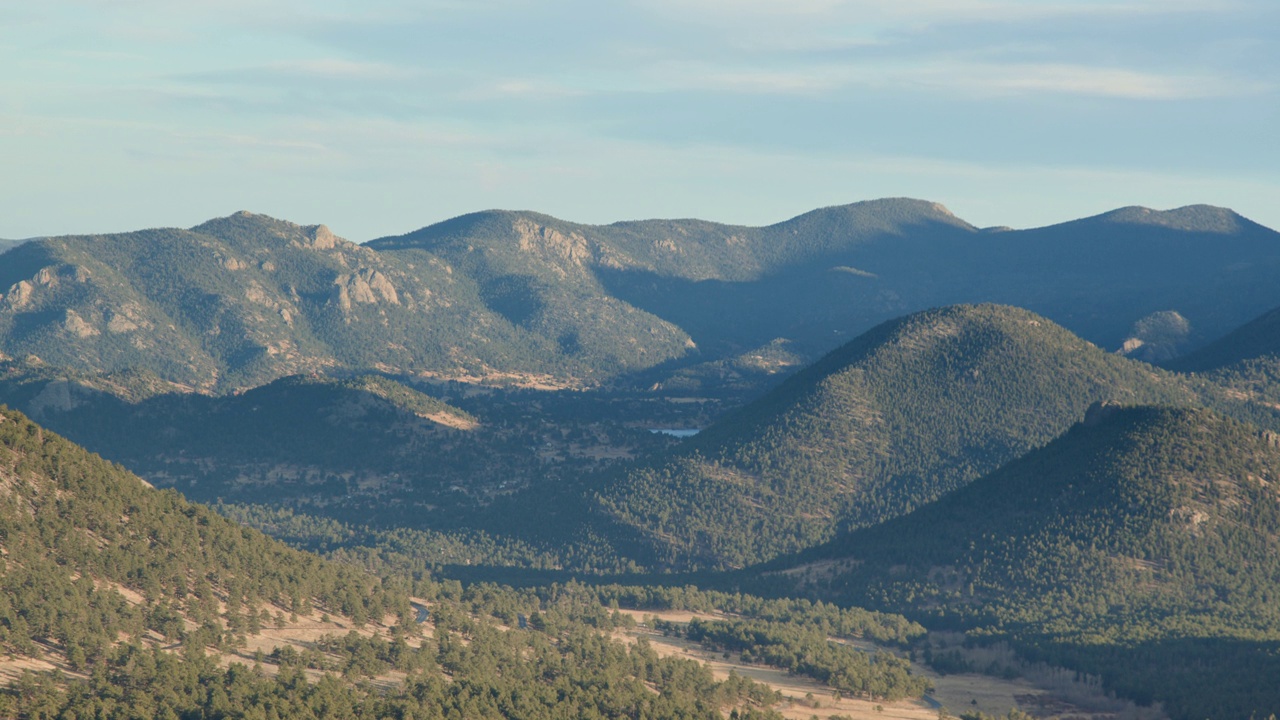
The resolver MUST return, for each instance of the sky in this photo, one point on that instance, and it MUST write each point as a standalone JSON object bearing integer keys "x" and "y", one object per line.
{"x": 378, "y": 117}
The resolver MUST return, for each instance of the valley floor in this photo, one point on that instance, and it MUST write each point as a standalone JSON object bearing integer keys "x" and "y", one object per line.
{"x": 804, "y": 699}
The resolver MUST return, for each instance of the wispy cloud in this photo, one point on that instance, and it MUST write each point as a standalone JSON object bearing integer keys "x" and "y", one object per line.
{"x": 599, "y": 110}
{"x": 959, "y": 77}
{"x": 1067, "y": 79}
{"x": 340, "y": 69}
{"x": 527, "y": 88}
{"x": 252, "y": 142}
{"x": 287, "y": 71}
{"x": 919, "y": 12}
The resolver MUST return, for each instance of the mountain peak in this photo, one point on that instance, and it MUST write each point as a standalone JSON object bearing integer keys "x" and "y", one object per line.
{"x": 244, "y": 224}
{"x": 491, "y": 223}
{"x": 1189, "y": 218}
{"x": 890, "y": 213}
{"x": 893, "y": 419}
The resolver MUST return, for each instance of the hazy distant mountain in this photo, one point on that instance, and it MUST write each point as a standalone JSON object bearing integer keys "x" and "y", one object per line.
{"x": 1140, "y": 545}
{"x": 501, "y": 242}
{"x": 1257, "y": 340}
{"x": 1096, "y": 276}
{"x": 525, "y": 298}
{"x": 834, "y": 272}
{"x": 6, "y": 244}
{"x": 1239, "y": 374}
{"x": 731, "y": 287}
{"x": 907, "y": 412}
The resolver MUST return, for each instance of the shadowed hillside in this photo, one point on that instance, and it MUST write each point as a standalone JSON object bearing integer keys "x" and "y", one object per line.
{"x": 1255, "y": 341}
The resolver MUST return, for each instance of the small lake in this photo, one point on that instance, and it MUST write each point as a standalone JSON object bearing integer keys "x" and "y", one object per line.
{"x": 674, "y": 432}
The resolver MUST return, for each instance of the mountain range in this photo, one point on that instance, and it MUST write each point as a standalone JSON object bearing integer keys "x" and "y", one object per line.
{"x": 525, "y": 299}
{"x": 902, "y": 415}
{"x": 1064, "y": 439}
{"x": 892, "y": 421}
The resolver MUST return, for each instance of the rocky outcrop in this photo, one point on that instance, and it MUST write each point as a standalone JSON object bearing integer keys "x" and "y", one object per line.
{"x": 321, "y": 237}
{"x": 19, "y": 295}
{"x": 1157, "y": 337}
{"x": 1100, "y": 411}
{"x": 365, "y": 286}
{"x": 78, "y": 326}
{"x": 549, "y": 242}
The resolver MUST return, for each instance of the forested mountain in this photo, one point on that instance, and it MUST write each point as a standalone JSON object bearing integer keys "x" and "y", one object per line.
{"x": 1140, "y": 545}
{"x": 364, "y": 448}
{"x": 913, "y": 409}
{"x": 837, "y": 271}
{"x": 284, "y": 369}
{"x": 246, "y": 299}
{"x": 140, "y": 605}
{"x": 78, "y": 534}
{"x": 904, "y": 414}
{"x": 297, "y": 437}
{"x": 523, "y": 298}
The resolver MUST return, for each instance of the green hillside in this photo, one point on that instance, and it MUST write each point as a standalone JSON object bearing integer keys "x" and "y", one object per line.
{"x": 1140, "y": 545}
{"x": 77, "y": 533}
{"x": 239, "y": 301}
{"x": 911, "y": 410}
{"x": 305, "y": 439}
{"x": 121, "y": 601}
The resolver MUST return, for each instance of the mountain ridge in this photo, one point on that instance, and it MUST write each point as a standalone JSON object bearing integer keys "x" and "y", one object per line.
{"x": 1196, "y": 217}
{"x": 524, "y": 298}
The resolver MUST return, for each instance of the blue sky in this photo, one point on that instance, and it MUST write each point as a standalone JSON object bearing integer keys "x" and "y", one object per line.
{"x": 381, "y": 116}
